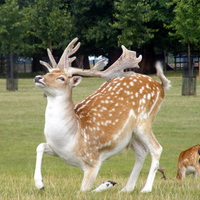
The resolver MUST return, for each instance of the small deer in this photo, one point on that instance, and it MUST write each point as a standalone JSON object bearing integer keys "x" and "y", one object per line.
{"x": 189, "y": 162}
{"x": 118, "y": 115}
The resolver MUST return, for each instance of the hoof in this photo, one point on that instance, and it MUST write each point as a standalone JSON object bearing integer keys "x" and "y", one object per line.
{"x": 39, "y": 185}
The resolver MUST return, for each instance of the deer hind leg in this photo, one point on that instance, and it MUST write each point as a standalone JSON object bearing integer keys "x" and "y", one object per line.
{"x": 140, "y": 152}
{"x": 148, "y": 139}
{"x": 197, "y": 168}
{"x": 181, "y": 173}
{"x": 90, "y": 174}
{"x": 41, "y": 149}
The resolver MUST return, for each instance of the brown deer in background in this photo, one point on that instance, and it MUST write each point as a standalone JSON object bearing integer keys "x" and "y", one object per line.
{"x": 118, "y": 115}
{"x": 189, "y": 162}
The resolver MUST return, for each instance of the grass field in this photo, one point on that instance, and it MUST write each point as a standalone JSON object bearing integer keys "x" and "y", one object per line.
{"x": 21, "y": 129}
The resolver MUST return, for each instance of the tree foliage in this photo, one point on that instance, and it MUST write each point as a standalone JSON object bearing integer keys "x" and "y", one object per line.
{"x": 132, "y": 18}
{"x": 30, "y": 26}
{"x": 91, "y": 21}
{"x": 186, "y": 23}
{"x": 12, "y": 27}
{"x": 49, "y": 23}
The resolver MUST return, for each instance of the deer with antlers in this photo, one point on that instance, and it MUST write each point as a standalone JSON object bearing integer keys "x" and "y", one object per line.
{"x": 189, "y": 162}
{"x": 118, "y": 115}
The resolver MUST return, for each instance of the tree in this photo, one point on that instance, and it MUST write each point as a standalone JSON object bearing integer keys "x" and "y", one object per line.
{"x": 132, "y": 17}
{"x": 12, "y": 31}
{"x": 49, "y": 23}
{"x": 186, "y": 27}
{"x": 92, "y": 24}
{"x": 49, "y": 27}
{"x": 186, "y": 24}
{"x": 142, "y": 27}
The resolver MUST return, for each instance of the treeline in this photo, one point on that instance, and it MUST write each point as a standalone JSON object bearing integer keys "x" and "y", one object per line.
{"x": 29, "y": 27}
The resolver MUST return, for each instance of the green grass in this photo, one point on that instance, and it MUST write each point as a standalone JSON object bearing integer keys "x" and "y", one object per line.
{"x": 21, "y": 129}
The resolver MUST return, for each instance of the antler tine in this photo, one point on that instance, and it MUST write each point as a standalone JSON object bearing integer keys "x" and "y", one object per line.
{"x": 53, "y": 62}
{"x": 127, "y": 60}
{"x": 65, "y": 62}
{"x": 46, "y": 65}
{"x": 51, "y": 58}
{"x": 72, "y": 48}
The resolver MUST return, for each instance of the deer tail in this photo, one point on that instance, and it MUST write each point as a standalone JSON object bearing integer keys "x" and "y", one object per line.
{"x": 165, "y": 82}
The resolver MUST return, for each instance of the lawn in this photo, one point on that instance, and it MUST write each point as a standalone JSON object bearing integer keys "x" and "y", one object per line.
{"x": 21, "y": 129}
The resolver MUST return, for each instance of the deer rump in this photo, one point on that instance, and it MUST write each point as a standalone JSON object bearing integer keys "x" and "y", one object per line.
{"x": 118, "y": 115}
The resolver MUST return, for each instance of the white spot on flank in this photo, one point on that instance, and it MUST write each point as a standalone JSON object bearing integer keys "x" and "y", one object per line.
{"x": 113, "y": 109}
{"x": 143, "y": 101}
{"x": 140, "y": 91}
{"x": 106, "y": 144}
{"x": 131, "y": 83}
{"x": 106, "y": 101}
{"x": 147, "y": 86}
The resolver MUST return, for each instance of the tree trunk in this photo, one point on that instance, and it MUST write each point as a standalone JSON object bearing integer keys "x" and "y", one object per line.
{"x": 147, "y": 65}
{"x": 11, "y": 74}
{"x": 189, "y": 60}
{"x": 189, "y": 79}
{"x": 81, "y": 62}
{"x": 36, "y": 66}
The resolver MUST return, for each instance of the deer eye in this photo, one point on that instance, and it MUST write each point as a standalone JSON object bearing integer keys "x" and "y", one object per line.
{"x": 61, "y": 78}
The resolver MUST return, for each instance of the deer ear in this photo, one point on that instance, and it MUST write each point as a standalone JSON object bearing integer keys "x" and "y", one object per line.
{"x": 75, "y": 80}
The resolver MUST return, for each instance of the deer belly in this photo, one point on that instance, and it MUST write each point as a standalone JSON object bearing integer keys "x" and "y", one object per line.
{"x": 66, "y": 153}
{"x": 190, "y": 170}
{"x": 106, "y": 154}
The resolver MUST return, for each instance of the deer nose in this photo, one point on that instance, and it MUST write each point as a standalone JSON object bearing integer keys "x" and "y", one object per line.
{"x": 37, "y": 79}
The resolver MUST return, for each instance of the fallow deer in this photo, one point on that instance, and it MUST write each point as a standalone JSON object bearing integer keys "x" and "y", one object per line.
{"x": 118, "y": 115}
{"x": 189, "y": 162}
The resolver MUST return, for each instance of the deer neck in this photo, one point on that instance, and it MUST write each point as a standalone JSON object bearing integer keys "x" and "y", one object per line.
{"x": 60, "y": 117}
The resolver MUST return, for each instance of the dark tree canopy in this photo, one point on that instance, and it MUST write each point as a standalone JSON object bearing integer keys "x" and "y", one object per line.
{"x": 101, "y": 26}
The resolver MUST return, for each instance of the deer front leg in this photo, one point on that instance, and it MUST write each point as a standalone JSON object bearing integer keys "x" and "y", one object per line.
{"x": 41, "y": 149}
{"x": 90, "y": 174}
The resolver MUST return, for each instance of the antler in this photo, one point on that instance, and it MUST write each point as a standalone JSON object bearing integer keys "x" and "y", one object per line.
{"x": 65, "y": 61}
{"x": 127, "y": 60}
